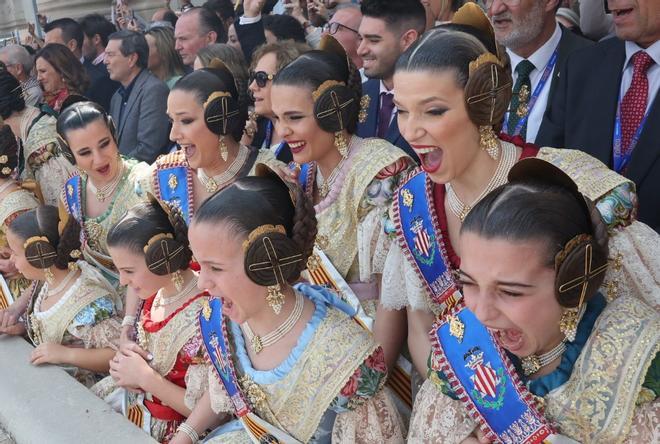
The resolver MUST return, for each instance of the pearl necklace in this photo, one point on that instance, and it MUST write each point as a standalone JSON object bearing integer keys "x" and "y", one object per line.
{"x": 260, "y": 342}
{"x": 65, "y": 282}
{"x": 214, "y": 183}
{"x": 162, "y": 301}
{"x": 324, "y": 185}
{"x": 508, "y": 159}
{"x": 533, "y": 363}
{"x": 107, "y": 190}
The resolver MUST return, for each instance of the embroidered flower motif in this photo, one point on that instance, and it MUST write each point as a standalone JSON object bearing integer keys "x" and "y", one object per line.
{"x": 377, "y": 361}
{"x": 352, "y": 385}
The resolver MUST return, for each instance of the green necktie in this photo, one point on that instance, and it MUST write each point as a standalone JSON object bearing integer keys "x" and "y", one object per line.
{"x": 521, "y": 93}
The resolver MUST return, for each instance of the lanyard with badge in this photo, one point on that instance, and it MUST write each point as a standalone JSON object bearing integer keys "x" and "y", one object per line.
{"x": 537, "y": 92}
{"x": 620, "y": 158}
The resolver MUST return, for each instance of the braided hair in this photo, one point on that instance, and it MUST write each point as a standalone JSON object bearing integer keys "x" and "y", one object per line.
{"x": 8, "y": 152}
{"x": 11, "y": 95}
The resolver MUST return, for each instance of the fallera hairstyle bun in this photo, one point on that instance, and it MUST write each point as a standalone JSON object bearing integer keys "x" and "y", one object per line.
{"x": 276, "y": 220}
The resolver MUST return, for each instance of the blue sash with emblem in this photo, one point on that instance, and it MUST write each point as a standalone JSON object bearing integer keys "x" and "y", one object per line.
{"x": 73, "y": 200}
{"x": 174, "y": 186}
{"x": 484, "y": 379}
{"x": 415, "y": 219}
{"x": 214, "y": 335}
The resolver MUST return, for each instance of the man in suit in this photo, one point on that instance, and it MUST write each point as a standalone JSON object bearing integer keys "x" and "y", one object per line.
{"x": 607, "y": 102}
{"x": 96, "y": 30}
{"x": 197, "y": 28}
{"x": 538, "y": 48}
{"x": 139, "y": 107}
{"x": 387, "y": 29}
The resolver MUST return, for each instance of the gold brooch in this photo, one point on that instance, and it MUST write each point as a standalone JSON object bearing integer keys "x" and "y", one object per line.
{"x": 254, "y": 393}
{"x": 407, "y": 199}
{"x": 172, "y": 182}
{"x": 206, "y": 310}
{"x": 364, "y": 106}
{"x": 456, "y": 328}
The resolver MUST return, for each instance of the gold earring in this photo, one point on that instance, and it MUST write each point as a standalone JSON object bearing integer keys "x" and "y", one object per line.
{"x": 49, "y": 276}
{"x": 275, "y": 298}
{"x": 177, "y": 280}
{"x": 341, "y": 144}
{"x": 222, "y": 146}
{"x": 568, "y": 323}
{"x": 488, "y": 141}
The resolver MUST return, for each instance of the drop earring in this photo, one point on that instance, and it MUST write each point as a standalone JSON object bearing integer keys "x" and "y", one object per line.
{"x": 275, "y": 298}
{"x": 222, "y": 146}
{"x": 341, "y": 144}
{"x": 177, "y": 280}
{"x": 488, "y": 141}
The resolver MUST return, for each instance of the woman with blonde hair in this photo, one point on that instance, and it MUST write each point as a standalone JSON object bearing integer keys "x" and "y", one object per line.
{"x": 232, "y": 58}
{"x": 164, "y": 61}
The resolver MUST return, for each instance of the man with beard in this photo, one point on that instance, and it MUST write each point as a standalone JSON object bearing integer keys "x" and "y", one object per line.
{"x": 387, "y": 29}
{"x": 607, "y": 102}
{"x": 538, "y": 48}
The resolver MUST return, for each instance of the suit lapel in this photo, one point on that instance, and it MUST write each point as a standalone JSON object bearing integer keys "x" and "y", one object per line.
{"x": 567, "y": 44}
{"x": 602, "y": 110}
{"x": 136, "y": 92}
{"x": 647, "y": 151}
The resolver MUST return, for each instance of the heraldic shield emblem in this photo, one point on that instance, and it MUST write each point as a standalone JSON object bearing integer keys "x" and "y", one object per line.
{"x": 488, "y": 383}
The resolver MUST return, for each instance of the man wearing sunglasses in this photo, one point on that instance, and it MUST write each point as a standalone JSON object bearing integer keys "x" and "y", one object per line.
{"x": 344, "y": 26}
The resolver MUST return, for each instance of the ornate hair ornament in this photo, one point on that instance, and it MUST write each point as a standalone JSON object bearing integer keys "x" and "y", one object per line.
{"x": 318, "y": 92}
{"x": 494, "y": 82}
{"x": 260, "y": 231}
{"x": 579, "y": 248}
{"x": 39, "y": 252}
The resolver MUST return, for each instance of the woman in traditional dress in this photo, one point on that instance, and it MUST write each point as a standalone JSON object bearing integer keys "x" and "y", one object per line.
{"x": 462, "y": 160}
{"x": 207, "y": 123}
{"x": 39, "y": 158}
{"x": 104, "y": 186}
{"x": 534, "y": 258}
{"x": 72, "y": 318}
{"x": 316, "y": 102}
{"x": 60, "y": 74}
{"x": 13, "y": 201}
{"x": 149, "y": 246}
{"x": 288, "y": 361}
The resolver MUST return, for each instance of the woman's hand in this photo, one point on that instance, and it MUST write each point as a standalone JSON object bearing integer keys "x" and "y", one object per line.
{"x": 477, "y": 437}
{"x": 252, "y": 8}
{"x": 129, "y": 368}
{"x": 49, "y": 353}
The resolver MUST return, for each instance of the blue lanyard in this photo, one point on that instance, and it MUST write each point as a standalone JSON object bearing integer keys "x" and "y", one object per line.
{"x": 621, "y": 159}
{"x": 537, "y": 92}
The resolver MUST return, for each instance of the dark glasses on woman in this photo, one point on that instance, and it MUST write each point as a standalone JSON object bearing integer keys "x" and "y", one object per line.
{"x": 260, "y": 77}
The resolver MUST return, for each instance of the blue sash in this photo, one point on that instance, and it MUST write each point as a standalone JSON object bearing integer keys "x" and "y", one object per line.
{"x": 485, "y": 380}
{"x": 305, "y": 177}
{"x": 73, "y": 200}
{"x": 415, "y": 219}
{"x": 214, "y": 334}
{"x": 174, "y": 186}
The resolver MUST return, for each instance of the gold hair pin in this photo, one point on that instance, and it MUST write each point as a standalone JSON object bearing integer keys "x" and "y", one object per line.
{"x": 261, "y": 230}
{"x": 33, "y": 239}
{"x": 318, "y": 92}
{"x": 157, "y": 238}
{"x": 215, "y": 95}
{"x": 486, "y": 57}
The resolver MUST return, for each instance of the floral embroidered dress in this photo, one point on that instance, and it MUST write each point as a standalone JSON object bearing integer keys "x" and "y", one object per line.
{"x": 86, "y": 316}
{"x": 177, "y": 347}
{"x": 352, "y": 215}
{"x": 95, "y": 229}
{"x": 329, "y": 389}
{"x": 11, "y": 205}
{"x": 42, "y": 161}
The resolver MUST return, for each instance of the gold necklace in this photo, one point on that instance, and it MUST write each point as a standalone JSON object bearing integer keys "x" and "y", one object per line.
{"x": 162, "y": 301}
{"x": 214, "y": 183}
{"x": 107, "y": 190}
{"x": 260, "y": 342}
{"x": 508, "y": 159}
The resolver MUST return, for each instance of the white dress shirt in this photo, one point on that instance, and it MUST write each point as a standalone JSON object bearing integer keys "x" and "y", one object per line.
{"x": 540, "y": 59}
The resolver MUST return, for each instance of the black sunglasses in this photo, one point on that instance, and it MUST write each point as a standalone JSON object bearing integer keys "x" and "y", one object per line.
{"x": 260, "y": 77}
